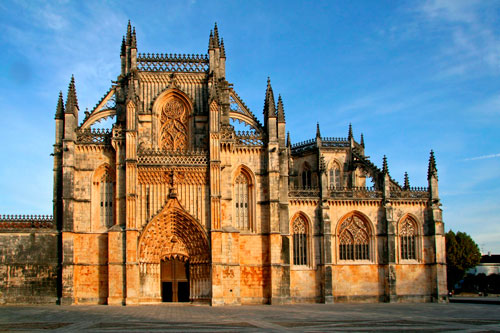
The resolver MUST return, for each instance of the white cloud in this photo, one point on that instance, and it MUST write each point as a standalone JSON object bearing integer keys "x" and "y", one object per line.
{"x": 483, "y": 157}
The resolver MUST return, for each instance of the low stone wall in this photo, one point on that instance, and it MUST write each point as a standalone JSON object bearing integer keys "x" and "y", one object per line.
{"x": 28, "y": 263}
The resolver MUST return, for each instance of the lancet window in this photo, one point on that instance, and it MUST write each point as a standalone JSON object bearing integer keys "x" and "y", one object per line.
{"x": 242, "y": 191}
{"x": 408, "y": 239}
{"x": 306, "y": 176}
{"x": 354, "y": 239}
{"x": 299, "y": 229}
{"x": 334, "y": 176}
{"x": 106, "y": 187}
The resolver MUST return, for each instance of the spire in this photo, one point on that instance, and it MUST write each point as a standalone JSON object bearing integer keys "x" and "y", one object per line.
{"x": 133, "y": 43}
{"x": 318, "y": 133}
{"x": 385, "y": 167}
{"x": 122, "y": 51}
{"x": 222, "y": 49}
{"x": 288, "y": 140}
{"x": 432, "y": 171}
{"x": 269, "y": 105}
{"x": 71, "y": 99}
{"x": 349, "y": 136}
{"x": 406, "y": 185}
{"x": 362, "y": 141}
{"x": 216, "y": 36}
{"x": 281, "y": 110}
{"x": 211, "y": 40}
{"x": 60, "y": 107}
{"x": 129, "y": 34}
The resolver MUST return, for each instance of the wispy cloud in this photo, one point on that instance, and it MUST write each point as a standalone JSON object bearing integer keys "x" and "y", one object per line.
{"x": 482, "y": 157}
{"x": 474, "y": 43}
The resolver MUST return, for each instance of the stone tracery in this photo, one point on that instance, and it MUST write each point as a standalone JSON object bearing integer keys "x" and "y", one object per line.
{"x": 174, "y": 125}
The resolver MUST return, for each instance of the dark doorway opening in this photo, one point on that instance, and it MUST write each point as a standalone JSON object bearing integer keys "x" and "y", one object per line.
{"x": 174, "y": 281}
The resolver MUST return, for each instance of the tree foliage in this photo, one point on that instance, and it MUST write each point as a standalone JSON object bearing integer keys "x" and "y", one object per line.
{"x": 462, "y": 253}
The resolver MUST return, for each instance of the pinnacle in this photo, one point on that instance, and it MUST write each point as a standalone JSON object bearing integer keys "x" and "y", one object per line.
{"x": 71, "y": 99}
{"x": 288, "y": 140}
{"x": 122, "y": 51}
{"x": 281, "y": 110}
{"x": 222, "y": 49}
{"x": 129, "y": 33}
{"x": 60, "y": 106}
{"x": 216, "y": 36}
{"x": 432, "y": 171}
{"x": 133, "y": 43}
{"x": 385, "y": 167}
{"x": 350, "y": 131}
{"x": 406, "y": 181}
{"x": 362, "y": 142}
{"x": 318, "y": 133}
{"x": 269, "y": 105}
{"x": 211, "y": 40}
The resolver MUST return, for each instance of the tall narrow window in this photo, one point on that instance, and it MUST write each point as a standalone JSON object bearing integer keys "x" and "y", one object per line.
{"x": 241, "y": 200}
{"x": 306, "y": 176}
{"x": 299, "y": 228}
{"x": 354, "y": 239}
{"x": 106, "y": 200}
{"x": 407, "y": 239}
{"x": 334, "y": 176}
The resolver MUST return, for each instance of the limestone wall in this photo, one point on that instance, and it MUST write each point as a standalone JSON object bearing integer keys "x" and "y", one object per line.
{"x": 28, "y": 266}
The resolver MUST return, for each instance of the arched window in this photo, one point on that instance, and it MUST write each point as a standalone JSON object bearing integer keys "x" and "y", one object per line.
{"x": 106, "y": 200}
{"x": 408, "y": 239}
{"x": 354, "y": 239}
{"x": 299, "y": 229}
{"x": 306, "y": 176}
{"x": 243, "y": 201}
{"x": 334, "y": 176}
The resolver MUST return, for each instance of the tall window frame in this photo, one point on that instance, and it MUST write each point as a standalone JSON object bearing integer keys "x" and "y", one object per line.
{"x": 300, "y": 239}
{"x": 409, "y": 239}
{"x": 334, "y": 176}
{"x": 355, "y": 239}
{"x": 103, "y": 198}
{"x": 243, "y": 200}
{"x": 306, "y": 175}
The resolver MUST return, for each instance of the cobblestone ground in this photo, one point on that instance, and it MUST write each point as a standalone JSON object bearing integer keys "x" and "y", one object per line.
{"x": 301, "y": 318}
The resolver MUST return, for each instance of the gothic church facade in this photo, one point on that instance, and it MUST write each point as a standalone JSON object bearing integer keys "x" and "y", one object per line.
{"x": 174, "y": 204}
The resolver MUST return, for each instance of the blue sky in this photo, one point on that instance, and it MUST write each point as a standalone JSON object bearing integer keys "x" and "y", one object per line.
{"x": 411, "y": 76}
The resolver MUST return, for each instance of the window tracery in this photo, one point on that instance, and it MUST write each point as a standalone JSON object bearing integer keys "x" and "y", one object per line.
{"x": 299, "y": 229}
{"x": 242, "y": 191}
{"x": 106, "y": 189}
{"x": 354, "y": 239}
{"x": 407, "y": 239}
{"x": 306, "y": 176}
{"x": 174, "y": 125}
{"x": 334, "y": 176}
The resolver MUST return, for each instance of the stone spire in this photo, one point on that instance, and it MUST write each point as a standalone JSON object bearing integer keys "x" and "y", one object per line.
{"x": 129, "y": 34}
{"x": 318, "y": 133}
{"x": 211, "y": 40}
{"x": 123, "y": 48}
{"x": 362, "y": 142}
{"x": 406, "y": 185}
{"x": 385, "y": 167}
{"x": 281, "y": 110}
{"x": 133, "y": 43}
{"x": 349, "y": 136}
{"x": 288, "y": 140}
{"x": 216, "y": 39}
{"x": 432, "y": 170}
{"x": 71, "y": 99}
{"x": 60, "y": 107}
{"x": 222, "y": 49}
{"x": 269, "y": 105}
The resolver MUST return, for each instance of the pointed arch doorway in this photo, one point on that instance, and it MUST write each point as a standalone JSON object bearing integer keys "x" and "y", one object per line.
{"x": 174, "y": 257}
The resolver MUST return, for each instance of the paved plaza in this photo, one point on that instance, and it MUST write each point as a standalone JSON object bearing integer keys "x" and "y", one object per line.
{"x": 300, "y": 318}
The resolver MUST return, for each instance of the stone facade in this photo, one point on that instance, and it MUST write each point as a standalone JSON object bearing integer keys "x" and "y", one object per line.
{"x": 173, "y": 204}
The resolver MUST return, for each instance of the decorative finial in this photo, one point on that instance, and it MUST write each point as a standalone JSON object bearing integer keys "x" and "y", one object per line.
{"x": 216, "y": 36}
{"x": 129, "y": 33}
{"x": 222, "y": 49}
{"x": 432, "y": 171}
{"x": 133, "y": 44}
{"x": 60, "y": 107}
{"x": 211, "y": 40}
{"x": 269, "y": 104}
{"x": 318, "y": 133}
{"x": 281, "y": 110}
{"x": 350, "y": 131}
{"x": 288, "y": 140}
{"x": 123, "y": 48}
{"x": 362, "y": 141}
{"x": 71, "y": 100}
{"x": 406, "y": 185}
{"x": 385, "y": 167}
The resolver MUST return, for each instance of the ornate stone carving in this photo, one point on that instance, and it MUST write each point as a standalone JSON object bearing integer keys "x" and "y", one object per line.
{"x": 174, "y": 126}
{"x": 353, "y": 231}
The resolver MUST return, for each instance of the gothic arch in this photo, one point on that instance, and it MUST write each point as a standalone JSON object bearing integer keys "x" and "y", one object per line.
{"x": 172, "y": 113}
{"x": 409, "y": 238}
{"x": 305, "y": 175}
{"x": 356, "y": 238}
{"x": 334, "y": 174}
{"x": 300, "y": 231}
{"x": 102, "y": 198}
{"x": 243, "y": 184}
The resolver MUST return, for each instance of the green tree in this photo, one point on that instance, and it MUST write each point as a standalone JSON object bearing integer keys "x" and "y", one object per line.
{"x": 462, "y": 253}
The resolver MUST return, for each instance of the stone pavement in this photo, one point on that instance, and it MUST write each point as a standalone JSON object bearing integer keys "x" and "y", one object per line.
{"x": 300, "y": 318}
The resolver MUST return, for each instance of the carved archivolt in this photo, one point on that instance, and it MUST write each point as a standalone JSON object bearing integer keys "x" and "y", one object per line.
{"x": 173, "y": 233}
{"x": 174, "y": 125}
